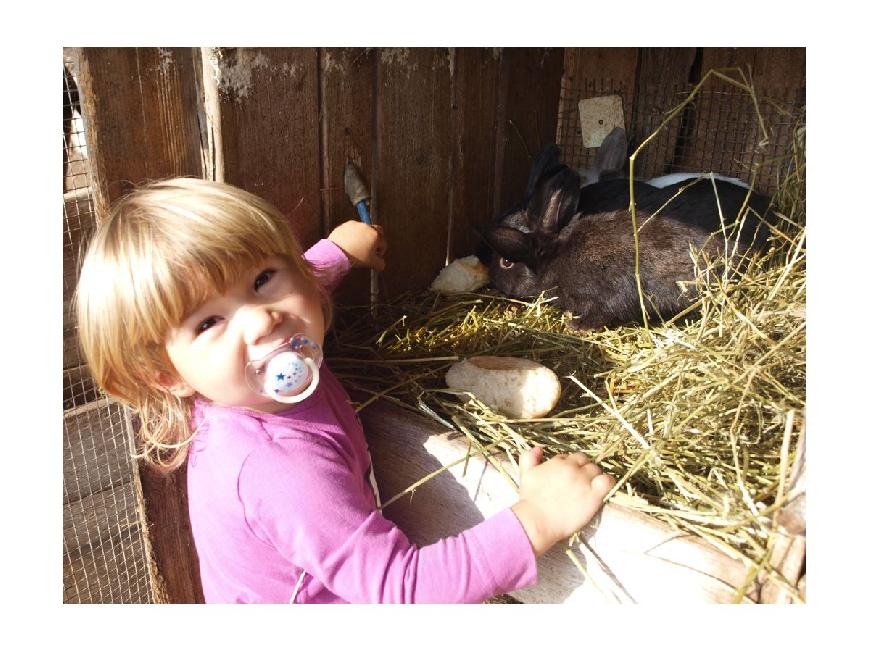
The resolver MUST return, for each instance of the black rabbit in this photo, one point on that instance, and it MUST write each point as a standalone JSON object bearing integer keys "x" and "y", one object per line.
{"x": 587, "y": 261}
{"x": 603, "y": 188}
{"x": 698, "y": 202}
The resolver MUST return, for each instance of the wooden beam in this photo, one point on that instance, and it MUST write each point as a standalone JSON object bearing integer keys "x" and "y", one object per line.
{"x": 531, "y": 81}
{"x": 347, "y": 110}
{"x": 140, "y": 109}
{"x": 269, "y": 125}
{"x": 475, "y": 74}
{"x": 412, "y": 163}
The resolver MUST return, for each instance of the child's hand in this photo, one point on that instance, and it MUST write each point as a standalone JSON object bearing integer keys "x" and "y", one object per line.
{"x": 558, "y": 497}
{"x": 364, "y": 245}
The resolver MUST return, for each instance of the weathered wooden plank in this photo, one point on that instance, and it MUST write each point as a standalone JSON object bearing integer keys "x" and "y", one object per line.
{"x": 78, "y": 226}
{"x": 412, "y": 160}
{"x": 111, "y": 573}
{"x": 347, "y": 109}
{"x": 165, "y": 498}
{"x": 725, "y": 135}
{"x": 140, "y": 107}
{"x": 593, "y": 72}
{"x": 663, "y": 81}
{"x": 99, "y": 527}
{"x": 96, "y": 456}
{"x": 270, "y": 130}
{"x": 630, "y": 557}
{"x": 78, "y": 387}
{"x": 770, "y": 67}
{"x": 474, "y": 107}
{"x": 530, "y": 80}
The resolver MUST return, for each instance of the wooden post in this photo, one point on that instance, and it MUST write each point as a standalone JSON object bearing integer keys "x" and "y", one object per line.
{"x": 140, "y": 109}
{"x": 475, "y": 77}
{"x": 531, "y": 82}
{"x": 268, "y": 99}
{"x": 726, "y": 136}
{"x": 413, "y": 154}
{"x": 347, "y": 115}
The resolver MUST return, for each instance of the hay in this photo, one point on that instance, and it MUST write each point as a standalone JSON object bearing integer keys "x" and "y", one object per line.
{"x": 699, "y": 421}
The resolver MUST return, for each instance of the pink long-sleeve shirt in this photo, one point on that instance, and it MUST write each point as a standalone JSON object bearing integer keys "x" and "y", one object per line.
{"x": 273, "y": 495}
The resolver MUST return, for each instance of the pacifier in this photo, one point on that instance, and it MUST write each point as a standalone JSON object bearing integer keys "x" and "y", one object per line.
{"x": 289, "y": 373}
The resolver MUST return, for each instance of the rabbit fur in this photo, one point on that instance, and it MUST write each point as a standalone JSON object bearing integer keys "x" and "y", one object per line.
{"x": 585, "y": 258}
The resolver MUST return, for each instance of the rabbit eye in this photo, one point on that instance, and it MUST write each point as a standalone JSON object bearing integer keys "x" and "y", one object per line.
{"x": 505, "y": 263}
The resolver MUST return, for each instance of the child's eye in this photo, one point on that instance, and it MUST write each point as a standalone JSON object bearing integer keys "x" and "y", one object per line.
{"x": 263, "y": 278}
{"x": 205, "y": 324}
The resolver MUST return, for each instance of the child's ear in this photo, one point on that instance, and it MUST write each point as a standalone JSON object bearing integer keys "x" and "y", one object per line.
{"x": 174, "y": 386}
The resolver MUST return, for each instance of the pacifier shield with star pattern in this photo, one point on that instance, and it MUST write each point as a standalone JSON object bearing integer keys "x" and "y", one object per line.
{"x": 289, "y": 373}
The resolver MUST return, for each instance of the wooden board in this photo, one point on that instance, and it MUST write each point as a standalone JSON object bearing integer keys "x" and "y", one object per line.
{"x": 270, "y": 130}
{"x": 171, "y": 536}
{"x": 347, "y": 116}
{"x": 629, "y": 558}
{"x": 725, "y": 135}
{"x": 663, "y": 81}
{"x": 140, "y": 110}
{"x": 96, "y": 456}
{"x": 593, "y": 72}
{"x": 530, "y": 80}
{"x": 410, "y": 180}
{"x": 474, "y": 110}
{"x": 111, "y": 571}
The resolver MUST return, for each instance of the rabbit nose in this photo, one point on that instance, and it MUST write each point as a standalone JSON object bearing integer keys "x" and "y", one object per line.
{"x": 259, "y": 322}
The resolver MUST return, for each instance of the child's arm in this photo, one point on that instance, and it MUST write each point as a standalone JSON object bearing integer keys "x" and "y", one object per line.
{"x": 301, "y": 497}
{"x": 364, "y": 245}
{"x": 558, "y": 497}
{"x": 352, "y": 244}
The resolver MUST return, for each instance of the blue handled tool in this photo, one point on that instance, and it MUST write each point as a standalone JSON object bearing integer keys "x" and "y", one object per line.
{"x": 357, "y": 191}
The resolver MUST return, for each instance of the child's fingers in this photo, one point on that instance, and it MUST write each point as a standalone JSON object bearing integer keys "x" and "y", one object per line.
{"x": 530, "y": 459}
{"x": 603, "y": 483}
{"x": 377, "y": 262}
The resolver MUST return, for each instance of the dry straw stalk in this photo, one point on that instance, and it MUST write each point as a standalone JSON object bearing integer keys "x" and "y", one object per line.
{"x": 697, "y": 419}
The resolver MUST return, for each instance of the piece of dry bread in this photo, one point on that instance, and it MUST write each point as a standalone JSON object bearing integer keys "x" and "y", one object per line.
{"x": 516, "y": 387}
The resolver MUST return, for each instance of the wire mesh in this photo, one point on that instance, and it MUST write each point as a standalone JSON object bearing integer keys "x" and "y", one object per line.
{"x": 105, "y": 559}
{"x": 717, "y": 132}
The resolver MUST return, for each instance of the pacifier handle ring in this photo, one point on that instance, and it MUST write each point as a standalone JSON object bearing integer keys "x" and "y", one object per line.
{"x": 315, "y": 377}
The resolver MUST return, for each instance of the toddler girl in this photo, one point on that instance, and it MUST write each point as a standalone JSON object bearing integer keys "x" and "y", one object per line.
{"x": 197, "y": 308}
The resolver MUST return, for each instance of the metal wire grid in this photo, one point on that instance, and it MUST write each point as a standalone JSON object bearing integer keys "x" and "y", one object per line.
{"x": 104, "y": 553}
{"x": 719, "y": 131}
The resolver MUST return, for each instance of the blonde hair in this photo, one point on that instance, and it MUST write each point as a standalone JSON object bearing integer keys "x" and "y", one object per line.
{"x": 163, "y": 250}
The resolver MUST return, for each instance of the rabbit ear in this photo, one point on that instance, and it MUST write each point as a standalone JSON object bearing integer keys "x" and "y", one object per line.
{"x": 510, "y": 243}
{"x": 546, "y": 162}
{"x": 613, "y": 153}
{"x": 567, "y": 182}
{"x": 563, "y": 202}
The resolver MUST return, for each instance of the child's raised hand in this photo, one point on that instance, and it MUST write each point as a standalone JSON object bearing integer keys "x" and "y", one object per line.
{"x": 558, "y": 497}
{"x": 364, "y": 244}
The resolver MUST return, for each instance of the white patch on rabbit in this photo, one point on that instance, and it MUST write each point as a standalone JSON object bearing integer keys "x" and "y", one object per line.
{"x": 678, "y": 177}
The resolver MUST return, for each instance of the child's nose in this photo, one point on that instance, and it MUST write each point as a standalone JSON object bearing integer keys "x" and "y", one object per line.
{"x": 259, "y": 322}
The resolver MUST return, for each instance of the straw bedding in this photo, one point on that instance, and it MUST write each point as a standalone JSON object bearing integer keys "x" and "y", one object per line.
{"x": 700, "y": 420}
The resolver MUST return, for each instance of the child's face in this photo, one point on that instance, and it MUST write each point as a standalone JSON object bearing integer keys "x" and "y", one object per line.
{"x": 271, "y": 302}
